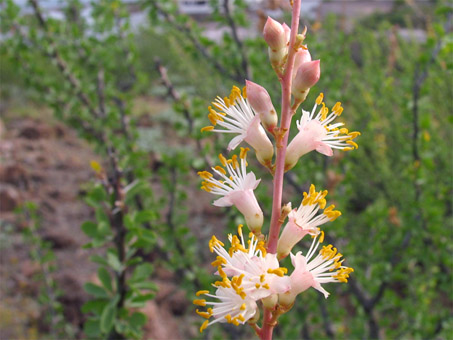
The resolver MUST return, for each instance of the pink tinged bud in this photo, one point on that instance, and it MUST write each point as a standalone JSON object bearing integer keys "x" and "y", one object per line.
{"x": 261, "y": 102}
{"x": 274, "y": 34}
{"x": 307, "y": 76}
{"x": 302, "y": 56}
{"x": 291, "y": 235}
{"x": 258, "y": 140}
{"x": 287, "y": 32}
{"x": 245, "y": 201}
{"x": 308, "y": 139}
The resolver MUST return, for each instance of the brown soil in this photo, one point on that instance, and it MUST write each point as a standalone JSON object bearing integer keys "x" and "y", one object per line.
{"x": 48, "y": 165}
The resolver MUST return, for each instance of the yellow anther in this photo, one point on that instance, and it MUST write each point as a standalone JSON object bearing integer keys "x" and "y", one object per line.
{"x": 204, "y": 174}
{"x": 223, "y": 160}
{"x": 213, "y": 119}
{"x": 339, "y": 111}
{"x": 241, "y": 317}
{"x": 354, "y": 144}
{"x": 354, "y": 134}
{"x": 217, "y": 105}
{"x": 324, "y": 112}
{"x": 242, "y": 295}
{"x": 201, "y": 292}
{"x": 221, "y": 272}
{"x": 220, "y": 169}
{"x": 214, "y": 242}
{"x": 321, "y": 238}
{"x": 243, "y": 307}
{"x": 243, "y": 153}
{"x": 207, "y": 128}
{"x": 219, "y": 261}
{"x": 205, "y": 315}
{"x": 336, "y": 106}
{"x": 319, "y": 99}
{"x": 235, "y": 162}
{"x": 257, "y": 286}
{"x": 278, "y": 271}
{"x": 203, "y": 326}
{"x": 235, "y": 322}
{"x": 348, "y": 148}
{"x": 240, "y": 226}
{"x": 228, "y": 318}
{"x": 344, "y": 131}
{"x": 239, "y": 280}
{"x": 199, "y": 302}
{"x": 244, "y": 92}
{"x": 266, "y": 286}
{"x": 262, "y": 278}
{"x": 227, "y": 102}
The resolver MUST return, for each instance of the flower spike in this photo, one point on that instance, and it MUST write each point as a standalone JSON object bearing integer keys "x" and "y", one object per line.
{"x": 236, "y": 188}
{"x": 236, "y": 116}
{"x": 305, "y": 220}
{"x": 316, "y": 133}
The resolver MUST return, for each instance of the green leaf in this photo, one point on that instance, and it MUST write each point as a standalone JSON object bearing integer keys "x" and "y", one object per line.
{"x": 104, "y": 277}
{"x": 94, "y": 306}
{"x": 107, "y": 318}
{"x": 90, "y": 229}
{"x": 137, "y": 320}
{"x": 91, "y": 328}
{"x": 145, "y": 216}
{"x": 113, "y": 261}
{"x": 142, "y": 272}
{"x": 95, "y": 290}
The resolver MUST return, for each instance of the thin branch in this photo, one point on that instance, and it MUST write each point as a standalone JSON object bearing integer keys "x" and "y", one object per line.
{"x": 196, "y": 43}
{"x": 234, "y": 32}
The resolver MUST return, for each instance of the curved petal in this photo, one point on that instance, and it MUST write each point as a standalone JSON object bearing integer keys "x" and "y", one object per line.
{"x": 324, "y": 149}
{"x": 223, "y": 202}
{"x": 235, "y": 141}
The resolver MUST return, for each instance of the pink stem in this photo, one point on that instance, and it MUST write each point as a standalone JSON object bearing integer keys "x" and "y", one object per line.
{"x": 284, "y": 126}
{"x": 282, "y": 143}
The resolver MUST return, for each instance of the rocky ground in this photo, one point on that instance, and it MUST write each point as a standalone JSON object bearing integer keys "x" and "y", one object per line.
{"x": 47, "y": 164}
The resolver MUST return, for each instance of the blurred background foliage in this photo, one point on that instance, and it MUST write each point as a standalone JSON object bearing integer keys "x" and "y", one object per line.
{"x": 395, "y": 191}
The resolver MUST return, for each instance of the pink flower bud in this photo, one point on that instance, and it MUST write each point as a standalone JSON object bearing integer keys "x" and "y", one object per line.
{"x": 261, "y": 102}
{"x": 302, "y": 57}
{"x": 274, "y": 34}
{"x": 287, "y": 32}
{"x": 306, "y": 76}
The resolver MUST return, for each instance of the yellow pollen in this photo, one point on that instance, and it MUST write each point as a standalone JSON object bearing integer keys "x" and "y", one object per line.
{"x": 200, "y": 292}
{"x": 204, "y": 174}
{"x": 207, "y": 128}
{"x": 354, "y": 144}
{"x": 203, "y": 326}
{"x": 223, "y": 160}
{"x": 205, "y": 315}
{"x": 214, "y": 242}
{"x": 235, "y": 161}
{"x": 321, "y": 238}
{"x": 240, "y": 226}
{"x": 243, "y": 153}
{"x": 199, "y": 302}
{"x": 319, "y": 99}
{"x": 220, "y": 169}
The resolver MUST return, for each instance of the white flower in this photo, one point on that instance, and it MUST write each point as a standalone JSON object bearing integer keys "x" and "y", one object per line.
{"x": 305, "y": 220}
{"x": 308, "y": 272}
{"x": 236, "y": 116}
{"x": 248, "y": 274}
{"x": 236, "y": 188}
{"x": 316, "y": 133}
